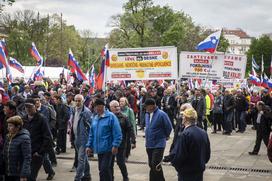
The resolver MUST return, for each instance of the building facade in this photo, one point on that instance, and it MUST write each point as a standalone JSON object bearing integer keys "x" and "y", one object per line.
{"x": 239, "y": 41}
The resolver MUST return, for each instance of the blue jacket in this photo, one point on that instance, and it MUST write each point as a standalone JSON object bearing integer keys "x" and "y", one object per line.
{"x": 83, "y": 127}
{"x": 105, "y": 133}
{"x": 158, "y": 130}
{"x": 191, "y": 151}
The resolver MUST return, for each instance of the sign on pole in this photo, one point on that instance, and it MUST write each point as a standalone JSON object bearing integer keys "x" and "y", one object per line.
{"x": 152, "y": 63}
{"x": 234, "y": 66}
{"x": 201, "y": 65}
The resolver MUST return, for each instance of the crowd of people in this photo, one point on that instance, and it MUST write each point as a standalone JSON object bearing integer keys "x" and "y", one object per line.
{"x": 36, "y": 117}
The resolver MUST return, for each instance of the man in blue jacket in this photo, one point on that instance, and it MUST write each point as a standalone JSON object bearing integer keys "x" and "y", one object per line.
{"x": 158, "y": 129}
{"x": 104, "y": 139}
{"x": 192, "y": 149}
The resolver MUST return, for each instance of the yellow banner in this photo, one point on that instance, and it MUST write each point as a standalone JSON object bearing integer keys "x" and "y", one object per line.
{"x": 137, "y": 64}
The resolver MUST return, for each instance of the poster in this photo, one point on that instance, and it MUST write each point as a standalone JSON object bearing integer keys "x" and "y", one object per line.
{"x": 152, "y": 63}
{"x": 234, "y": 66}
{"x": 201, "y": 65}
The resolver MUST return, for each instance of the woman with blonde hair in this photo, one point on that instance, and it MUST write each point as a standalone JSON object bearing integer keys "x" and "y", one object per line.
{"x": 17, "y": 151}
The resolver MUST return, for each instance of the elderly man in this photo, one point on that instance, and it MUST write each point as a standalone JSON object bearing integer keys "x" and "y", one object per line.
{"x": 104, "y": 139}
{"x": 192, "y": 149}
{"x": 81, "y": 121}
{"x": 128, "y": 134}
{"x": 158, "y": 129}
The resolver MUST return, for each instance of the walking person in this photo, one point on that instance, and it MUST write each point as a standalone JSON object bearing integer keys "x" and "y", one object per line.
{"x": 17, "y": 151}
{"x": 41, "y": 138}
{"x": 192, "y": 149}
{"x": 158, "y": 129}
{"x": 228, "y": 110}
{"x": 127, "y": 133}
{"x": 104, "y": 139}
{"x": 263, "y": 126}
{"x": 81, "y": 122}
{"x": 217, "y": 112}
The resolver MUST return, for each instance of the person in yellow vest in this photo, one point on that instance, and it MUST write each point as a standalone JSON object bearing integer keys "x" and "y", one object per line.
{"x": 208, "y": 107}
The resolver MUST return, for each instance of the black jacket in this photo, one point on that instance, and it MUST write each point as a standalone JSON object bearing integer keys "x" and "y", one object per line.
{"x": 191, "y": 151}
{"x": 127, "y": 130}
{"x": 17, "y": 154}
{"x": 62, "y": 116}
{"x": 241, "y": 103}
{"x": 199, "y": 104}
{"x": 228, "y": 103}
{"x": 41, "y": 139}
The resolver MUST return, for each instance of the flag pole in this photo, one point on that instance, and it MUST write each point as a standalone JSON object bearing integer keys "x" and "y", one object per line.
{"x": 206, "y": 79}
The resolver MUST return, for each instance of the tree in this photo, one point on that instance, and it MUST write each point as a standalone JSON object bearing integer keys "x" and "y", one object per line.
{"x": 259, "y": 48}
{"x": 143, "y": 24}
{"x": 4, "y": 3}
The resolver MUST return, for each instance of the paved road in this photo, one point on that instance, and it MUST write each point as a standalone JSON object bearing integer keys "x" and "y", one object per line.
{"x": 229, "y": 153}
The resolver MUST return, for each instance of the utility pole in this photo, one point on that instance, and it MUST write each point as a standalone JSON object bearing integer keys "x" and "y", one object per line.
{"x": 61, "y": 36}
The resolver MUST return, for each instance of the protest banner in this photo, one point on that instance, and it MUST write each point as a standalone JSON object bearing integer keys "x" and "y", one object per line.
{"x": 234, "y": 66}
{"x": 152, "y": 63}
{"x": 201, "y": 65}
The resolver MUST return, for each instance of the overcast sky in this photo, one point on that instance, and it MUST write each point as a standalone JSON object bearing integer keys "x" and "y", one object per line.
{"x": 253, "y": 16}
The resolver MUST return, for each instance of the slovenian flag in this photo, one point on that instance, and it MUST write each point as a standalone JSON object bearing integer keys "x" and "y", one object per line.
{"x": 38, "y": 76}
{"x": 210, "y": 43}
{"x": 16, "y": 65}
{"x": 73, "y": 63}
{"x": 100, "y": 83}
{"x": 36, "y": 55}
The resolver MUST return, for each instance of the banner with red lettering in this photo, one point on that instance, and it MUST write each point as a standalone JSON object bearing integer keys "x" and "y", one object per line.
{"x": 234, "y": 66}
{"x": 201, "y": 65}
{"x": 151, "y": 63}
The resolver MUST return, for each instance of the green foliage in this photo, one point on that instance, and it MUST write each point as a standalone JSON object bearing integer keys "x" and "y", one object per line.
{"x": 143, "y": 24}
{"x": 52, "y": 36}
{"x": 258, "y": 48}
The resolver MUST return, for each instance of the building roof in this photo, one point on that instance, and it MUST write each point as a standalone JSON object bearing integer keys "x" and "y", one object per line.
{"x": 238, "y": 32}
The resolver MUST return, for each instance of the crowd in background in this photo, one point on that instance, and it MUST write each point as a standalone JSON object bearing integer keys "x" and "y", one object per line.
{"x": 35, "y": 118}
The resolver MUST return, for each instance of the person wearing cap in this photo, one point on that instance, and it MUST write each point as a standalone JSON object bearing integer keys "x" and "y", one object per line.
{"x": 17, "y": 151}
{"x": 104, "y": 139}
{"x": 127, "y": 134}
{"x": 192, "y": 149}
{"x": 40, "y": 135}
{"x": 80, "y": 120}
{"x": 158, "y": 129}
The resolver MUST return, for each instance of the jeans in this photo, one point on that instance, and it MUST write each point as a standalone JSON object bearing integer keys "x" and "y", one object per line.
{"x": 105, "y": 166}
{"x": 155, "y": 156}
{"x": 217, "y": 121}
{"x": 121, "y": 162}
{"x": 227, "y": 123}
{"x": 241, "y": 120}
{"x": 83, "y": 167}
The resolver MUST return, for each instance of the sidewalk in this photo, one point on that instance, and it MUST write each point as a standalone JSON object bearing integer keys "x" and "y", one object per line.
{"x": 229, "y": 161}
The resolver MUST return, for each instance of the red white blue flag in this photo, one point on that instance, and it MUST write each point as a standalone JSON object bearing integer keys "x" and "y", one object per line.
{"x": 73, "y": 63}
{"x": 210, "y": 43}
{"x": 106, "y": 55}
{"x": 16, "y": 65}
{"x": 4, "y": 61}
{"x": 36, "y": 55}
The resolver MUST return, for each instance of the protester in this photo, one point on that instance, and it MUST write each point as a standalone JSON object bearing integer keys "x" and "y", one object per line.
{"x": 81, "y": 123}
{"x": 40, "y": 135}
{"x": 192, "y": 149}
{"x": 127, "y": 134}
{"x": 228, "y": 109}
{"x": 263, "y": 126}
{"x": 104, "y": 139}
{"x": 17, "y": 151}
{"x": 199, "y": 104}
{"x": 158, "y": 129}
{"x": 217, "y": 112}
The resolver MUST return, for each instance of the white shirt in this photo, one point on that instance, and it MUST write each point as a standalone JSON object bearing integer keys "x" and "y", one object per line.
{"x": 151, "y": 115}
